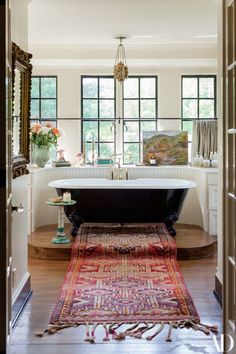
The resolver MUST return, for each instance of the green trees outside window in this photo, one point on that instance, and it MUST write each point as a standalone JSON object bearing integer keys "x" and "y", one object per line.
{"x": 44, "y": 99}
{"x": 103, "y": 103}
{"x": 198, "y": 100}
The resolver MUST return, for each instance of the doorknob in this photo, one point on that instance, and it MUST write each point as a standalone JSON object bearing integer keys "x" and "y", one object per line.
{"x": 19, "y": 208}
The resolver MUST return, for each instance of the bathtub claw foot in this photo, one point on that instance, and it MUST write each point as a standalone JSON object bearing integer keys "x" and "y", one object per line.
{"x": 169, "y": 222}
{"x": 76, "y": 221}
{"x": 171, "y": 230}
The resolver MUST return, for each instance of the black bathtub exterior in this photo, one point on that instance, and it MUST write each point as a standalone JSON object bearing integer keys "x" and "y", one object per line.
{"x": 124, "y": 206}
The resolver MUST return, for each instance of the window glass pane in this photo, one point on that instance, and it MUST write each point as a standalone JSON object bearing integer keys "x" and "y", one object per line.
{"x": 48, "y": 109}
{"x": 89, "y": 151}
{"x": 34, "y": 109}
{"x": 106, "y": 130}
{"x": 106, "y": 108}
{"x": 190, "y": 87}
{"x": 90, "y": 129}
{"x": 131, "y": 88}
{"x": 133, "y": 149}
{"x": 106, "y": 149}
{"x": 106, "y": 88}
{"x": 206, "y": 108}
{"x": 48, "y": 87}
{"x": 206, "y": 87}
{"x": 148, "y": 126}
{"x": 148, "y": 108}
{"x": 90, "y": 109}
{"x": 35, "y": 87}
{"x": 190, "y": 109}
{"x": 147, "y": 87}
{"x": 131, "y": 131}
{"x": 90, "y": 87}
{"x": 32, "y": 122}
{"x": 131, "y": 109}
{"x": 188, "y": 126}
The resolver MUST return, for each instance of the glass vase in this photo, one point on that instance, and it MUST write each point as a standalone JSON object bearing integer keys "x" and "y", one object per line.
{"x": 40, "y": 155}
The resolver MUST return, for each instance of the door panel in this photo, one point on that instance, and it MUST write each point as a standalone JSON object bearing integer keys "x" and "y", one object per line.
{"x": 5, "y": 176}
{"x": 229, "y": 119}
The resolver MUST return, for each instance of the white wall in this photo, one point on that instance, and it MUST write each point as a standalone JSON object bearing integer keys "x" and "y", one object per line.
{"x": 19, "y": 23}
{"x": 69, "y": 80}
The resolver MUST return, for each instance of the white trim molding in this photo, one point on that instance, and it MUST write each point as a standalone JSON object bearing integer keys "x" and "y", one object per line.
{"x": 136, "y": 63}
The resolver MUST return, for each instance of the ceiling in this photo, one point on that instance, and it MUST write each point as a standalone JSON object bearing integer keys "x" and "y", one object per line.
{"x": 145, "y": 22}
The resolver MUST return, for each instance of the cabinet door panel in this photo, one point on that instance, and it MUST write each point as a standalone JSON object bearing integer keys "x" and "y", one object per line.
{"x": 213, "y": 197}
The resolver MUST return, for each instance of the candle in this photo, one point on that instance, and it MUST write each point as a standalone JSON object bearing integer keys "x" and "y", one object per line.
{"x": 66, "y": 197}
{"x": 93, "y": 149}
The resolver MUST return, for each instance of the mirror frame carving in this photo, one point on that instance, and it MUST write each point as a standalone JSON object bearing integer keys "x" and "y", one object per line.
{"x": 21, "y": 61}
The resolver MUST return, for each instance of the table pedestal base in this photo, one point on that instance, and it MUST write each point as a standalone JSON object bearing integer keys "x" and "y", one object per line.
{"x": 60, "y": 236}
{"x": 60, "y": 240}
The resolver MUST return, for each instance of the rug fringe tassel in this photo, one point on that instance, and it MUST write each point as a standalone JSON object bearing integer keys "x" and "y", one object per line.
{"x": 52, "y": 329}
{"x": 122, "y": 335}
{"x": 112, "y": 329}
{"x": 114, "y": 324}
{"x": 157, "y": 332}
{"x": 134, "y": 331}
{"x": 168, "y": 338}
{"x": 40, "y": 333}
{"x": 199, "y": 327}
{"x": 213, "y": 329}
{"x": 106, "y": 338}
{"x": 204, "y": 328}
{"x": 87, "y": 339}
{"x": 140, "y": 331}
{"x": 92, "y": 337}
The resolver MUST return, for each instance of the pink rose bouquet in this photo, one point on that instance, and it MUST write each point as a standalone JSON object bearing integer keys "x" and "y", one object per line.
{"x": 44, "y": 134}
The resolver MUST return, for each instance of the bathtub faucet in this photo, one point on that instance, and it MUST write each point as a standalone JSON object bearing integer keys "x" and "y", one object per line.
{"x": 120, "y": 157}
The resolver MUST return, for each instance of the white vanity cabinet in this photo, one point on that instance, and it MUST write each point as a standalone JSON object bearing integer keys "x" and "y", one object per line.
{"x": 213, "y": 203}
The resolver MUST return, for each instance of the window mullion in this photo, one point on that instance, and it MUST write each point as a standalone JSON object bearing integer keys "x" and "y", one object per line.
{"x": 98, "y": 100}
{"x": 120, "y": 114}
{"x": 198, "y": 98}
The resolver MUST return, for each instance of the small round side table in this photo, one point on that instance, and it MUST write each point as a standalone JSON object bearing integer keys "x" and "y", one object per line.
{"x": 60, "y": 235}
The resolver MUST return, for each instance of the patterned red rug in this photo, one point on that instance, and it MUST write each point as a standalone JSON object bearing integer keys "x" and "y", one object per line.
{"x": 125, "y": 275}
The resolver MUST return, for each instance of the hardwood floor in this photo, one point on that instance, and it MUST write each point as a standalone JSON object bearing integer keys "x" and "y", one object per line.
{"x": 47, "y": 277}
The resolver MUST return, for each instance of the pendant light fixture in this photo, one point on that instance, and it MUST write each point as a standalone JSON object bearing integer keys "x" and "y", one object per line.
{"x": 120, "y": 69}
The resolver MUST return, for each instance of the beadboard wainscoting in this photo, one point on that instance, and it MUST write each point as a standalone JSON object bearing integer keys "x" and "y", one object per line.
{"x": 195, "y": 210}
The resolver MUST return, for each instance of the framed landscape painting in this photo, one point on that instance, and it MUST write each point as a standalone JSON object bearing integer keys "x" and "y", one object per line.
{"x": 166, "y": 147}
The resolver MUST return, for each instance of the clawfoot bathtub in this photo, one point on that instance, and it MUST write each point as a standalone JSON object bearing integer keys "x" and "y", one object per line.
{"x": 124, "y": 201}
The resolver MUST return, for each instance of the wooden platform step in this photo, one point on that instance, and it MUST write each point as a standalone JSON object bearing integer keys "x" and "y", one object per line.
{"x": 192, "y": 243}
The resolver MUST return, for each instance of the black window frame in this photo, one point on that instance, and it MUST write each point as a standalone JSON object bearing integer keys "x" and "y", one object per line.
{"x": 40, "y": 99}
{"x": 98, "y": 119}
{"x": 198, "y": 98}
{"x": 139, "y": 119}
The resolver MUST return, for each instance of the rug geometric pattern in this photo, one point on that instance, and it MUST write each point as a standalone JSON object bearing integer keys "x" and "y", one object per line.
{"x": 124, "y": 274}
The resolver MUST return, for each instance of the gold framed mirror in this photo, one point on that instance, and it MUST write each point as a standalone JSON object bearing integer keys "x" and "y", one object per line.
{"x": 21, "y": 86}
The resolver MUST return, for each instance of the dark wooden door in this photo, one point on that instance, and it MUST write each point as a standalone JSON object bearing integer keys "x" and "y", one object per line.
{"x": 5, "y": 176}
{"x": 229, "y": 123}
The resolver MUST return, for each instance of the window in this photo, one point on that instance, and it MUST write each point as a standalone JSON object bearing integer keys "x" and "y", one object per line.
{"x": 102, "y": 105}
{"x": 198, "y": 100}
{"x": 140, "y": 112}
{"x": 98, "y": 114}
{"x": 44, "y": 99}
